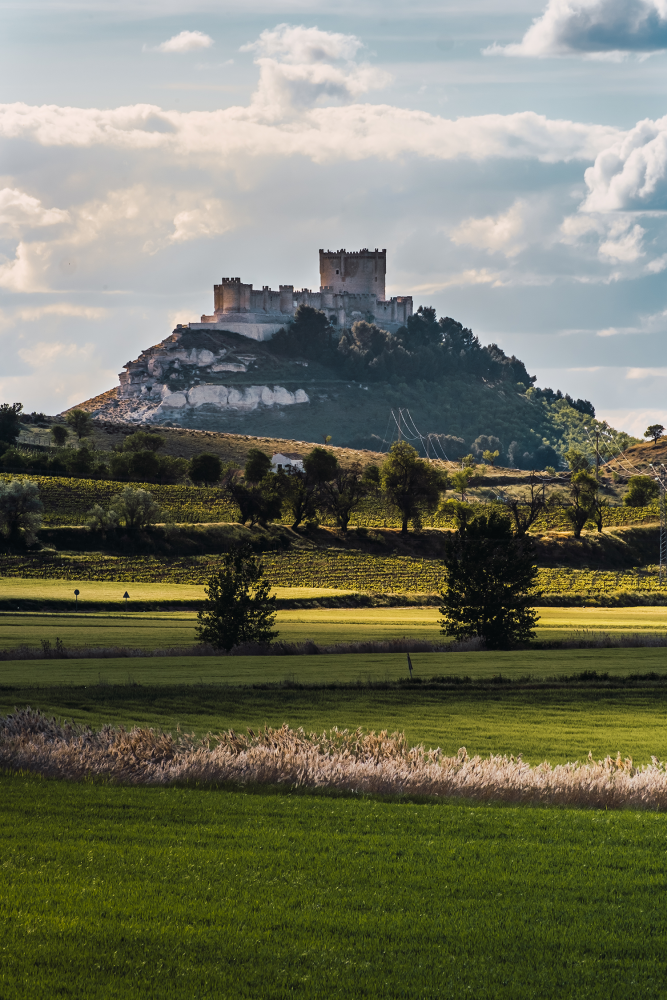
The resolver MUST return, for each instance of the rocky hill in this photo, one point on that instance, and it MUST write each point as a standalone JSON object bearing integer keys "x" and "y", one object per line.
{"x": 304, "y": 385}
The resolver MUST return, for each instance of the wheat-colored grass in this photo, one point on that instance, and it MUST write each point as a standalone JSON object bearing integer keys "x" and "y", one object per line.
{"x": 352, "y": 762}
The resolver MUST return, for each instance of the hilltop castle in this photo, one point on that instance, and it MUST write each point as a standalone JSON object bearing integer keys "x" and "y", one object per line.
{"x": 352, "y": 287}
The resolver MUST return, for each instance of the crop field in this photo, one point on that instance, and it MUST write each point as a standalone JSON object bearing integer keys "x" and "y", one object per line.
{"x": 153, "y": 629}
{"x": 187, "y": 893}
{"x": 332, "y": 570}
{"x": 68, "y": 501}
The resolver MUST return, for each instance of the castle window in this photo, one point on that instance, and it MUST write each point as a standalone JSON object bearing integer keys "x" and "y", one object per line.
{"x": 337, "y": 271}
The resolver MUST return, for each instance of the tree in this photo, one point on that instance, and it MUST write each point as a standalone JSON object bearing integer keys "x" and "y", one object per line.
{"x": 102, "y": 521}
{"x": 308, "y": 335}
{"x": 239, "y": 606}
{"x": 20, "y": 510}
{"x": 143, "y": 441}
{"x": 580, "y": 505}
{"x": 654, "y": 431}
{"x": 327, "y": 439}
{"x": 10, "y": 423}
{"x": 257, "y": 465}
{"x": 257, "y": 503}
{"x": 641, "y": 491}
{"x": 525, "y": 508}
{"x": 59, "y": 435}
{"x": 489, "y": 577}
{"x": 344, "y": 493}
{"x": 490, "y": 456}
{"x": 80, "y": 422}
{"x": 205, "y": 469}
{"x": 411, "y": 485}
{"x": 320, "y": 465}
{"x": 300, "y": 496}
{"x": 577, "y": 461}
{"x": 136, "y": 508}
{"x": 459, "y": 481}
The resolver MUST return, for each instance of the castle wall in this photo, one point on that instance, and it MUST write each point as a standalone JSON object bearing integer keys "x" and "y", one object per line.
{"x": 360, "y": 272}
{"x": 352, "y": 288}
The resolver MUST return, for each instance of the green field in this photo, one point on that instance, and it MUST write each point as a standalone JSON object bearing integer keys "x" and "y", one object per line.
{"x": 152, "y": 629}
{"x": 114, "y": 892}
{"x": 556, "y": 721}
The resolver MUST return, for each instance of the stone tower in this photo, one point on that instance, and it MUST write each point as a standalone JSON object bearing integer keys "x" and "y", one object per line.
{"x": 361, "y": 272}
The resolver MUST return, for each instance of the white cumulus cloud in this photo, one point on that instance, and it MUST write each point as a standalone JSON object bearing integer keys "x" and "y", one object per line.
{"x": 300, "y": 67}
{"x": 631, "y": 174}
{"x": 593, "y": 28}
{"x": 185, "y": 41}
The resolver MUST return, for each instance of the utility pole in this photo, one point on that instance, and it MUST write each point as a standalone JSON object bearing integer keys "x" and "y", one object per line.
{"x": 597, "y": 456}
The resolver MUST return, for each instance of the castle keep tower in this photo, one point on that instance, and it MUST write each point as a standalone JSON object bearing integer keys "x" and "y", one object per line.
{"x": 360, "y": 273}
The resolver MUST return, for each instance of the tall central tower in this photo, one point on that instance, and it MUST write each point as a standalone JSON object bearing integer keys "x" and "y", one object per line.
{"x": 361, "y": 272}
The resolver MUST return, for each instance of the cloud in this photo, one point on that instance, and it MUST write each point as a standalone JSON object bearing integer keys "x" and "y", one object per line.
{"x": 623, "y": 245}
{"x": 185, "y": 41}
{"x": 647, "y": 373}
{"x": 352, "y": 133}
{"x": 129, "y": 217}
{"x": 209, "y": 219}
{"x": 473, "y": 276}
{"x": 593, "y": 28}
{"x": 631, "y": 174}
{"x": 42, "y": 354}
{"x": 300, "y": 67}
{"x": 493, "y": 233}
{"x": 20, "y": 211}
{"x": 33, "y": 314}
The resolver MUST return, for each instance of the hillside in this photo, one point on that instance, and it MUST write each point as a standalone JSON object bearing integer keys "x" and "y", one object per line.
{"x": 305, "y": 384}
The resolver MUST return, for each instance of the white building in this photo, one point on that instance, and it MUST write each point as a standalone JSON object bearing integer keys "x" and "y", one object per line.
{"x": 289, "y": 461}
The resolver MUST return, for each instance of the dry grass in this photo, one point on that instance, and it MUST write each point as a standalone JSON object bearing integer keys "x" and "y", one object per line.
{"x": 352, "y": 762}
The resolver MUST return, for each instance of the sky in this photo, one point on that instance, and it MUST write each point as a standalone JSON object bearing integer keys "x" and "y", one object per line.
{"x": 511, "y": 158}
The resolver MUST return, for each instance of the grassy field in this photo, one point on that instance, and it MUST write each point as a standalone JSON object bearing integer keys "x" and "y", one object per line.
{"x": 324, "y": 625}
{"x": 558, "y": 721}
{"x": 186, "y": 893}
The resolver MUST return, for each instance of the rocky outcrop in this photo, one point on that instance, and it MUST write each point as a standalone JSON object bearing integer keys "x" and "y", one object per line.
{"x": 186, "y": 377}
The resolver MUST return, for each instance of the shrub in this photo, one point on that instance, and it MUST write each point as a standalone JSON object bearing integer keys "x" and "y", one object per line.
{"x": 641, "y": 491}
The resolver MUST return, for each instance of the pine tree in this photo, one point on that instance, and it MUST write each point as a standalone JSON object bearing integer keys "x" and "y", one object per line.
{"x": 239, "y": 606}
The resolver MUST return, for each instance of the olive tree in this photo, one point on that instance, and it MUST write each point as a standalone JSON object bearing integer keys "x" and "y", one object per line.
{"x": 136, "y": 508}
{"x": 20, "y": 510}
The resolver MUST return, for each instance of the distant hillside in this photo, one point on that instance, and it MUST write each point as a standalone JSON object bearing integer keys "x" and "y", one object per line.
{"x": 309, "y": 382}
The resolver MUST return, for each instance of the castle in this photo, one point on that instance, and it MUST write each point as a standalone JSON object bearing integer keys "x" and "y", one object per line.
{"x": 352, "y": 287}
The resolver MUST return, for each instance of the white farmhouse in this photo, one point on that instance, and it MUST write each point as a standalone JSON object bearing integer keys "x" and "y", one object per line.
{"x": 289, "y": 461}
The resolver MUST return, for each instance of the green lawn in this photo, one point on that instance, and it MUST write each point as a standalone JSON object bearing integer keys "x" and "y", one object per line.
{"x": 110, "y": 892}
{"x": 325, "y": 625}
